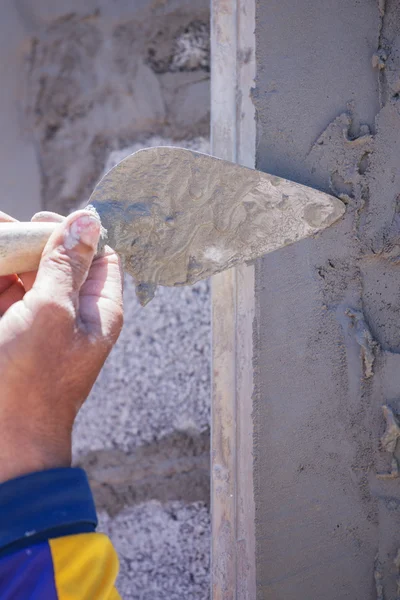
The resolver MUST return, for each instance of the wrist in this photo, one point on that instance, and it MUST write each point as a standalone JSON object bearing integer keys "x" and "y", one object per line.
{"x": 20, "y": 457}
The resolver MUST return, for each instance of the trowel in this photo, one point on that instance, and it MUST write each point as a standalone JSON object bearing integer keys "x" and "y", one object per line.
{"x": 176, "y": 216}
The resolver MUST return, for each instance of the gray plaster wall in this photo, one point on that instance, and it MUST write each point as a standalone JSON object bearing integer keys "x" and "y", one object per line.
{"x": 327, "y": 333}
{"x": 83, "y": 84}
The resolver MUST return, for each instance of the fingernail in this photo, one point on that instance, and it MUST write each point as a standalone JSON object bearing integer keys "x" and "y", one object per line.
{"x": 85, "y": 229}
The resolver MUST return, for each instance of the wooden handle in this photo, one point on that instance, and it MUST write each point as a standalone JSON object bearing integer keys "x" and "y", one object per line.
{"x": 21, "y": 245}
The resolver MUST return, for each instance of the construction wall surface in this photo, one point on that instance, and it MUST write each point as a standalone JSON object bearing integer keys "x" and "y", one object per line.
{"x": 82, "y": 84}
{"x": 327, "y": 339}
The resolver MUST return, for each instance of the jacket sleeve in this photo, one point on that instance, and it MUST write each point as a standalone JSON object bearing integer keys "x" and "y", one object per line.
{"x": 48, "y": 545}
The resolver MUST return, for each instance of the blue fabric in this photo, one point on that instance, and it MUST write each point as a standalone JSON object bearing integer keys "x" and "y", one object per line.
{"x": 28, "y": 575}
{"x": 45, "y": 505}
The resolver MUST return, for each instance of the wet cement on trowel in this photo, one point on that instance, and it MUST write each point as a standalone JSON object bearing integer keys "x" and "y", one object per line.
{"x": 327, "y": 333}
{"x": 176, "y": 216}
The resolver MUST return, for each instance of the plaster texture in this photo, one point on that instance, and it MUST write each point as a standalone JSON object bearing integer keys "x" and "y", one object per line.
{"x": 327, "y": 332}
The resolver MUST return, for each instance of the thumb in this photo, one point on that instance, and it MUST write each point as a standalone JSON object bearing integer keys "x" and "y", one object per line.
{"x": 67, "y": 257}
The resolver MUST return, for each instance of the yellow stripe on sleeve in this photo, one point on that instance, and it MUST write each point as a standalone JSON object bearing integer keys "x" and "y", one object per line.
{"x": 85, "y": 567}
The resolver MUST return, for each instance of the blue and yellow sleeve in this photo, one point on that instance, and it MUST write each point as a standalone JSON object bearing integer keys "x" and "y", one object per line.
{"x": 49, "y": 548}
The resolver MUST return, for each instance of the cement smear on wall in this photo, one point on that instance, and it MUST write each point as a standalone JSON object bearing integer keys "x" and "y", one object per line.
{"x": 328, "y": 329}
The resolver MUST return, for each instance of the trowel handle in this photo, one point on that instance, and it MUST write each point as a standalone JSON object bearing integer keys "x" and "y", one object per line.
{"x": 21, "y": 245}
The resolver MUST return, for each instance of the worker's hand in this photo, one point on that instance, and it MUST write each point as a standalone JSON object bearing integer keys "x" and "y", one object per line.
{"x": 57, "y": 327}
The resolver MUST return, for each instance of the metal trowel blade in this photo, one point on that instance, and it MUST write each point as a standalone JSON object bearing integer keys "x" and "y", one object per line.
{"x": 176, "y": 216}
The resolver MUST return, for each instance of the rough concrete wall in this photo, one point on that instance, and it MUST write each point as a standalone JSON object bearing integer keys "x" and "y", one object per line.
{"x": 163, "y": 550}
{"x": 98, "y": 78}
{"x": 327, "y": 332}
{"x": 84, "y": 84}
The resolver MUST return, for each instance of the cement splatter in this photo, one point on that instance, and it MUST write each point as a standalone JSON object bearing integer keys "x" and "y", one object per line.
{"x": 393, "y": 473}
{"x": 392, "y": 433}
{"x": 175, "y": 468}
{"x": 364, "y": 339}
{"x": 389, "y": 442}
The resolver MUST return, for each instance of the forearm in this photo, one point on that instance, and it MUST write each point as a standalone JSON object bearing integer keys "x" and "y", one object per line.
{"x": 57, "y": 327}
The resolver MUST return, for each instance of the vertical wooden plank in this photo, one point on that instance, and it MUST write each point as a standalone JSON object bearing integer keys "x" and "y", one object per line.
{"x": 223, "y": 419}
{"x": 223, "y": 438}
{"x": 233, "y": 138}
{"x": 223, "y": 78}
{"x": 245, "y": 508}
{"x": 245, "y": 314}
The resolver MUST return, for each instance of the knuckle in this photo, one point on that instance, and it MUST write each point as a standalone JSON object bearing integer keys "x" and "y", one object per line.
{"x": 68, "y": 261}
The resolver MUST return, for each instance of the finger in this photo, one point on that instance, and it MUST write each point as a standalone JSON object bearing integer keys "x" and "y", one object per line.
{"x": 101, "y": 303}
{"x": 67, "y": 257}
{"x": 28, "y": 278}
{"x": 44, "y": 216}
{"x": 5, "y": 218}
{"x": 6, "y": 282}
{"x": 11, "y": 290}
